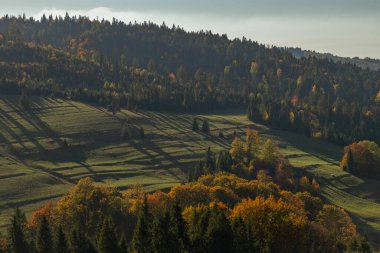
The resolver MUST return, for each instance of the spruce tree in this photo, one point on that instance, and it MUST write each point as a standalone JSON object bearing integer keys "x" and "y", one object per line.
{"x": 224, "y": 162}
{"x": 240, "y": 237}
{"x": 219, "y": 232}
{"x": 123, "y": 244}
{"x": 16, "y": 233}
{"x": 44, "y": 240}
{"x": 178, "y": 228}
{"x": 107, "y": 241}
{"x": 60, "y": 242}
{"x": 210, "y": 163}
{"x": 79, "y": 243}
{"x": 141, "y": 133}
{"x": 350, "y": 161}
{"x": 195, "y": 125}
{"x": 142, "y": 235}
{"x": 205, "y": 127}
{"x": 161, "y": 237}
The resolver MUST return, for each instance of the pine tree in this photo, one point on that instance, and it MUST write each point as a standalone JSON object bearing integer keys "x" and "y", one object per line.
{"x": 141, "y": 133}
{"x": 162, "y": 239}
{"x": 79, "y": 243}
{"x": 123, "y": 244}
{"x": 107, "y": 241}
{"x": 240, "y": 237}
{"x": 205, "y": 127}
{"x": 16, "y": 233}
{"x": 195, "y": 125}
{"x": 210, "y": 164}
{"x": 44, "y": 240}
{"x": 142, "y": 235}
{"x": 178, "y": 228}
{"x": 224, "y": 162}
{"x": 60, "y": 242}
{"x": 218, "y": 233}
{"x": 350, "y": 161}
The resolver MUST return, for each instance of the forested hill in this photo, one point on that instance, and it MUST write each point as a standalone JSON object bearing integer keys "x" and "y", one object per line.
{"x": 158, "y": 67}
{"x": 372, "y": 64}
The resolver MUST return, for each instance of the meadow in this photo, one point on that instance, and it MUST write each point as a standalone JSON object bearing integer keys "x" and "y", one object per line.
{"x": 35, "y": 168}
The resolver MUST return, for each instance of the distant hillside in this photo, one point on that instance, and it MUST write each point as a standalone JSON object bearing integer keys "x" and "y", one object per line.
{"x": 372, "y": 64}
{"x": 114, "y": 64}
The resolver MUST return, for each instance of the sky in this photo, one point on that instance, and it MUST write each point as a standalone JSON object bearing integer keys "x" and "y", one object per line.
{"x": 342, "y": 27}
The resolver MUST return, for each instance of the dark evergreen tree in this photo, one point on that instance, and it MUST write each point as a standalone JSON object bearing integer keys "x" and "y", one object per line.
{"x": 123, "y": 244}
{"x": 142, "y": 235}
{"x": 79, "y": 242}
{"x": 60, "y": 241}
{"x": 210, "y": 164}
{"x": 107, "y": 240}
{"x": 162, "y": 240}
{"x": 178, "y": 228}
{"x": 44, "y": 240}
{"x": 221, "y": 135}
{"x": 17, "y": 235}
{"x": 141, "y": 133}
{"x": 350, "y": 161}
{"x": 240, "y": 237}
{"x": 195, "y": 125}
{"x": 219, "y": 233}
{"x": 224, "y": 162}
{"x": 205, "y": 127}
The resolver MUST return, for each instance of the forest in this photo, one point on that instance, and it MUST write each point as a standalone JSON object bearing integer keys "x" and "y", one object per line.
{"x": 151, "y": 66}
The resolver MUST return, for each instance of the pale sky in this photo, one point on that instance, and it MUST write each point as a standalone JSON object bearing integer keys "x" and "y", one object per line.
{"x": 342, "y": 27}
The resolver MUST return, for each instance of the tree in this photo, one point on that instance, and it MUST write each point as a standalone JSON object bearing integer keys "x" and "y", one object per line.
{"x": 224, "y": 162}
{"x": 79, "y": 243}
{"x": 142, "y": 235}
{"x": 195, "y": 125}
{"x": 60, "y": 241}
{"x": 219, "y": 233}
{"x": 16, "y": 234}
{"x": 123, "y": 245}
{"x": 251, "y": 148}
{"x": 141, "y": 132}
{"x": 240, "y": 236}
{"x": 269, "y": 153}
{"x": 205, "y": 127}
{"x": 237, "y": 150}
{"x": 210, "y": 160}
{"x": 338, "y": 223}
{"x": 44, "y": 240}
{"x": 107, "y": 241}
{"x": 347, "y": 163}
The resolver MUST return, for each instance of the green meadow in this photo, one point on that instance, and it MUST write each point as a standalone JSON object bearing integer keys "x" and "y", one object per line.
{"x": 35, "y": 168}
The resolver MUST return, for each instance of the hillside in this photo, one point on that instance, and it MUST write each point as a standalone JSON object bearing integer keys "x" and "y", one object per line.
{"x": 36, "y": 169}
{"x": 372, "y": 64}
{"x": 166, "y": 68}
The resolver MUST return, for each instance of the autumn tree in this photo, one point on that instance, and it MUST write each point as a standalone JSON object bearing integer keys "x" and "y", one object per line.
{"x": 269, "y": 152}
{"x": 252, "y": 144}
{"x": 338, "y": 223}
{"x": 237, "y": 150}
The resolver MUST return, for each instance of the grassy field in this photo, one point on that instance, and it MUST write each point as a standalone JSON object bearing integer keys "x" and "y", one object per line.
{"x": 35, "y": 169}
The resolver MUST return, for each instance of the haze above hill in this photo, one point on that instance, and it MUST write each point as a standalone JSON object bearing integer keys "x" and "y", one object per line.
{"x": 344, "y": 28}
